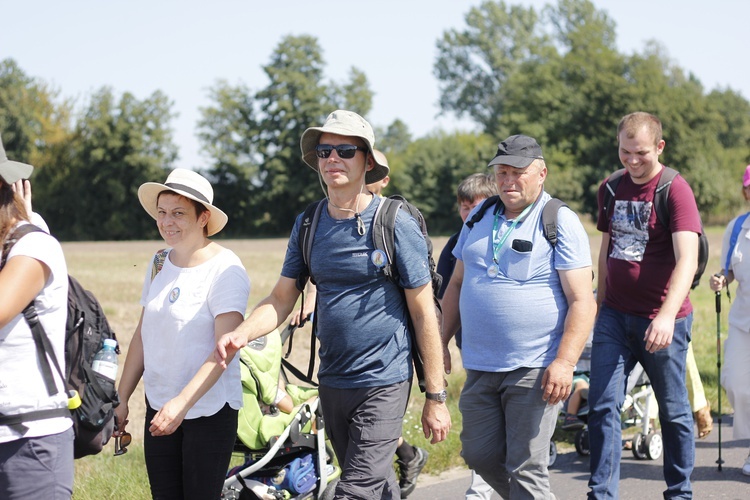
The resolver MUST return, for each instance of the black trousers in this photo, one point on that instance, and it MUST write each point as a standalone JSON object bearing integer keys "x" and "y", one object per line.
{"x": 192, "y": 462}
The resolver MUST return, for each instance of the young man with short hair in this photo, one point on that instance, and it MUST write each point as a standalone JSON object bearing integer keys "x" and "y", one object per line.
{"x": 645, "y": 315}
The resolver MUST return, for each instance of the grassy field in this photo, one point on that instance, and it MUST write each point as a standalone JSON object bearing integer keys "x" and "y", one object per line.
{"x": 114, "y": 271}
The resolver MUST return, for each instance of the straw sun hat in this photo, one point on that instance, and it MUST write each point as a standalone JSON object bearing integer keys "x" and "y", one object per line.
{"x": 189, "y": 184}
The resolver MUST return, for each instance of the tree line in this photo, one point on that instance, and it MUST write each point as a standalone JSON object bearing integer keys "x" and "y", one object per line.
{"x": 554, "y": 74}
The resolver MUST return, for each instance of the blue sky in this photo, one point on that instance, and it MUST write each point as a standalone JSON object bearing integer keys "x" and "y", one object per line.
{"x": 184, "y": 47}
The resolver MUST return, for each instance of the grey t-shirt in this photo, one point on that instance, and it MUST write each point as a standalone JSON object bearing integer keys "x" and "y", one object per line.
{"x": 362, "y": 317}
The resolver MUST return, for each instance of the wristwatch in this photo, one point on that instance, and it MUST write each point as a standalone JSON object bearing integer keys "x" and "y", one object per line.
{"x": 440, "y": 397}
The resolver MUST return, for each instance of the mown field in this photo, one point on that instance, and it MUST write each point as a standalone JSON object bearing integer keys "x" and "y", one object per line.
{"x": 114, "y": 271}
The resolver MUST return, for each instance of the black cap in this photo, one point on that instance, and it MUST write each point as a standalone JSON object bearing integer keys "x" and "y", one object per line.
{"x": 517, "y": 151}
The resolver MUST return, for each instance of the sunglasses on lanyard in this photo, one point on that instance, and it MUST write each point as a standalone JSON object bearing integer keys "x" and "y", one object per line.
{"x": 345, "y": 151}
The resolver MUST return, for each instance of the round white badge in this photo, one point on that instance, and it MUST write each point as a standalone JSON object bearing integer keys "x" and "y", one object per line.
{"x": 378, "y": 258}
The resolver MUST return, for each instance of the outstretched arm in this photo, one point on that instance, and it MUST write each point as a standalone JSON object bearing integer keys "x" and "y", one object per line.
{"x": 267, "y": 315}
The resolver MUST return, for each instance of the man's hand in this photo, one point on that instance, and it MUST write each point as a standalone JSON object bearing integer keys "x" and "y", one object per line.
{"x": 227, "y": 347}
{"x": 557, "y": 381}
{"x": 436, "y": 421}
{"x": 659, "y": 333}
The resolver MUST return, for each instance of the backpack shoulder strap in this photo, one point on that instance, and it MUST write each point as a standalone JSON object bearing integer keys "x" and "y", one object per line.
{"x": 306, "y": 235}
{"x": 486, "y": 204}
{"x": 610, "y": 188}
{"x": 13, "y": 238}
{"x": 158, "y": 263}
{"x": 733, "y": 238}
{"x": 549, "y": 219}
{"x": 383, "y": 232}
{"x": 661, "y": 204}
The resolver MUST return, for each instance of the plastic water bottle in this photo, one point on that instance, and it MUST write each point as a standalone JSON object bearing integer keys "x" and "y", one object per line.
{"x": 105, "y": 361}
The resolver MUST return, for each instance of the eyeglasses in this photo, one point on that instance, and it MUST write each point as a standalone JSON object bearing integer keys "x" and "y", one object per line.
{"x": 345, "y": 151}
{"x": 122, "y": 441}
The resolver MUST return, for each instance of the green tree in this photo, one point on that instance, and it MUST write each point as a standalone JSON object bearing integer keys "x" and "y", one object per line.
{"x": 429, "y": 172}
{"x": 255, "y": 136}
{"x": 474, "y": 65}
{"x": 394, "y": 138}
{"x": 116, "y": 146}
{"x": 32, "y": 120}
{"x": 559, "y": 78}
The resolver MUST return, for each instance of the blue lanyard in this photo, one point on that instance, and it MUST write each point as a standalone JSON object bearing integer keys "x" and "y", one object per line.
{"x": 498, "y": 244}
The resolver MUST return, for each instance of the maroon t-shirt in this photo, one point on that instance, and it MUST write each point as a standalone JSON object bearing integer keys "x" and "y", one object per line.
{"x": 641, "y": 255}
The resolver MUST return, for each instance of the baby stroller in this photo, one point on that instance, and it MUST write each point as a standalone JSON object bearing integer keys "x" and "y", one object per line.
{"x": 634, "y": 413}
{"x": 284, "y": 454}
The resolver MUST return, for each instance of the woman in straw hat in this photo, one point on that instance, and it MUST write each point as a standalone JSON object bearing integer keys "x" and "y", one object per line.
{"x": 197, "y": 293}
{"x": 36, "y": 435}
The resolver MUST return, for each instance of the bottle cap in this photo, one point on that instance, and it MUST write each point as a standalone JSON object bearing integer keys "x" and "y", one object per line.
{"x": 110, "y": 343}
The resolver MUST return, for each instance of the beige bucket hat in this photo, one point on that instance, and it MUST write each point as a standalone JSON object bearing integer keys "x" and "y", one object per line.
{"x": 348, "y": 123}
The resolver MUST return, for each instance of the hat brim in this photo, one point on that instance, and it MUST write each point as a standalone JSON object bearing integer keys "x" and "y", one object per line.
{"x": 510, "y": 160}
{"x": 12, "y": 171}
{"x": 149, "y": 191}
{"x": 311, "y": 138}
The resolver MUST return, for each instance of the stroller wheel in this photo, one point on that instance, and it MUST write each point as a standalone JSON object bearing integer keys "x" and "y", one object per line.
{"x": 552, "y": 453}
{"x": 654, "y": 445}
{"x": 582, "y": 442}
{"x": 639, "y": 448}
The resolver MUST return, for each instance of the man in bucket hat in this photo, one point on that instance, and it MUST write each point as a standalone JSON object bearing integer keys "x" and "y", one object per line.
{"x": 365, "y": 347}
{"x": 519, "y": 366}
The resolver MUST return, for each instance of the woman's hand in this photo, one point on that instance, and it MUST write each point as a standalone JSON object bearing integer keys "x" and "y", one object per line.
{"x": 121, "y": 416}
{"x": 169, "y": 418}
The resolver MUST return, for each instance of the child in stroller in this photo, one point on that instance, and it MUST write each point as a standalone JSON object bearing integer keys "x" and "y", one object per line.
{"x": 280, "y": 432}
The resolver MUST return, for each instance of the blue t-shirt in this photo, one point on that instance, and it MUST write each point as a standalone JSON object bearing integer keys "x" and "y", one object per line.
{"x": 516, "y": 319}
{"x": 362, "y": 317}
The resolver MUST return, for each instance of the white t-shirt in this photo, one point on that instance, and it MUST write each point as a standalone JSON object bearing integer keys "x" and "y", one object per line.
{"x": 178, "y": 329}
{"x": 739, "y": 314}
{"x": 22, "y": 387}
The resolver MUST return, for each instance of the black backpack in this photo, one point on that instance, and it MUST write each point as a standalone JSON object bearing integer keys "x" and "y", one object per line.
{"x": 549, "y": 215}
{"x": 661, "y": 206}
{"x": 383, "y": 230}
{"x": 95, "y": 395}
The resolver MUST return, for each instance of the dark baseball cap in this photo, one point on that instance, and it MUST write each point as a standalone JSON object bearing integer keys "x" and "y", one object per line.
{"x": 11, "y": 171}
{"x": 517, "y": 151}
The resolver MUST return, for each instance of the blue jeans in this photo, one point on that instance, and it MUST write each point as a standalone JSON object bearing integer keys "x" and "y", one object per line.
{"x": 507, "y": 427}
{"x": 618, "y": 344}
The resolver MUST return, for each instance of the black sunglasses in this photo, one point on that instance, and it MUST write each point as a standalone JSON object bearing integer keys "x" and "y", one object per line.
{"x": 345, "y": 151}
{"x": 122, "y": 441}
